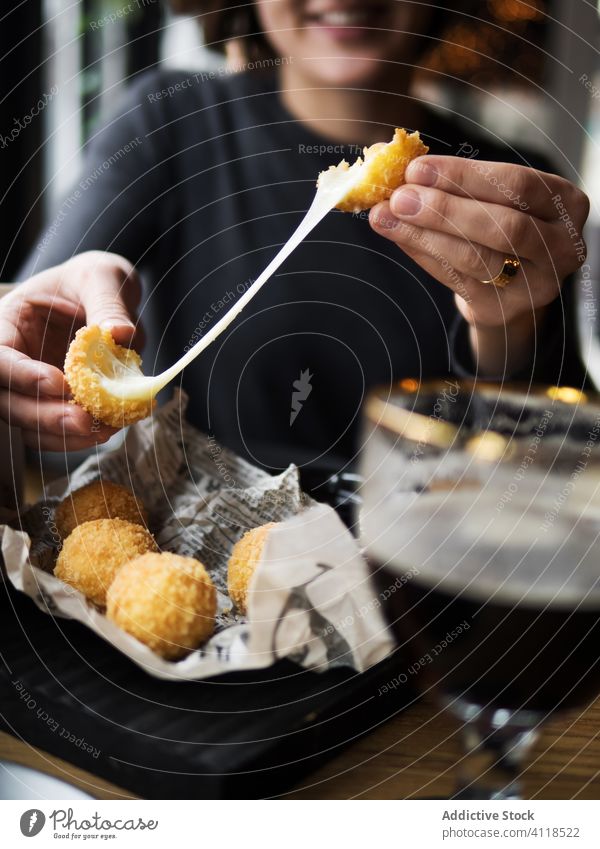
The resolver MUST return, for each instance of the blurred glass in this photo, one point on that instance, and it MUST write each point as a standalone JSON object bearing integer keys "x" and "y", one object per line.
{"x": 480, "y": 520}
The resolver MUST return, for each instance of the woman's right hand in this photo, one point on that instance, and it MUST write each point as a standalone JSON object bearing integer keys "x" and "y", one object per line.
{"x": 37, "y": 323}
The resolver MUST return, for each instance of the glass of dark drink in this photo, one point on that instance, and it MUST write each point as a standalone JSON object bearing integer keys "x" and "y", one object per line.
{"x": 480, "y": 520}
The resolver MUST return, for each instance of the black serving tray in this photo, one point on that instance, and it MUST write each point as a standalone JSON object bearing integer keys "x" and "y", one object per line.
{"x": 240, "y": 735}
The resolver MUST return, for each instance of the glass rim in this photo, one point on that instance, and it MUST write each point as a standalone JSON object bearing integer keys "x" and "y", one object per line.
{"x": 426, "y": 429}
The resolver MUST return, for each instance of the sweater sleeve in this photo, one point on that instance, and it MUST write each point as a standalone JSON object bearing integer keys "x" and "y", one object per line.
{"x": 117, "y": 201}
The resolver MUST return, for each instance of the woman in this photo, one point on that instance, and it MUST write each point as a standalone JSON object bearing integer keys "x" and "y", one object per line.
{"x": 200, "y": 177}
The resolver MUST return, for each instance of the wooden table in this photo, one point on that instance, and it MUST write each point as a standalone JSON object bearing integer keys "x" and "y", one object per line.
{"x": 410, "y": 757}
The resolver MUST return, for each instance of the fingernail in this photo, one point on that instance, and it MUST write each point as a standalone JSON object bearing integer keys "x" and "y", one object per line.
{"x": 107, "y": 324}
{"x": 422, "y": 173}
{"x": 73, "y": 425}
{"x": 384, "y": 222}
{"x": 100, "y": 437}
{"x": 405, "y": 202}
{"x": 52, "y": 388}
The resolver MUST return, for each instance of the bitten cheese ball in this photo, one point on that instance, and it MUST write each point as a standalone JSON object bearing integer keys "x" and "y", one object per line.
{"x": 93, "y": 554}
{"x": 92, "y": 355}
{"x": 98, "y": 500}
{"x": 382, "y": 170}
{"x": 244, "y": 559}
{"x": 164, "y": 600}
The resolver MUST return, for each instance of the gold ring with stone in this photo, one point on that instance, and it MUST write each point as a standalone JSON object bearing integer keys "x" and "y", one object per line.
{"x": 510, "y": 269}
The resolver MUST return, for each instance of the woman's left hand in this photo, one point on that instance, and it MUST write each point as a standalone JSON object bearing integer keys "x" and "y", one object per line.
{"x": 460, "y": 219}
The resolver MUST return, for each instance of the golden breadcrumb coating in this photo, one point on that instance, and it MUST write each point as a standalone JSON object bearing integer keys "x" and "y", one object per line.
{"x": 243, "y": 562}
{"x": 93, "y": 554}
{"x": 164, "y": 600}
{"x": 94, "y": 346}
{"x": 382, "y": 170}
{"x": 98, "y": 500}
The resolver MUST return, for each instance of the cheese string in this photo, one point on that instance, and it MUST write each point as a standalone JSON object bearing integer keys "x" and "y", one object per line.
{"x": 136, "y": 386}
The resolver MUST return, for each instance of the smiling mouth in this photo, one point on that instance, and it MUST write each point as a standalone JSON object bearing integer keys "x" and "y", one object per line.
{"x": 339, "y": 18}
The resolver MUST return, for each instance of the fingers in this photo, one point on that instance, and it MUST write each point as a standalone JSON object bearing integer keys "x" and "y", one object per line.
{"x": 51, "y": 417}
{"x": 462, "y": 266}
{"x": 37, "y": 322}
{"x": 49, "y": 442}
{"x": 501, "y": 228}
{"x": 108, "y": 287}
{"x": 509, "y": 185}
{"x": 453, "y": 259}
{"x": 30, "y": 377}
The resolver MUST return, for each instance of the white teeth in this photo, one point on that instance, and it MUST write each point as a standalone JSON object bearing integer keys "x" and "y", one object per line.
{"x": 342, "y": 19}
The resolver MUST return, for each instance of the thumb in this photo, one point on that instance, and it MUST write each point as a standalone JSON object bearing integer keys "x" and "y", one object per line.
{"x": 108, "y": 291}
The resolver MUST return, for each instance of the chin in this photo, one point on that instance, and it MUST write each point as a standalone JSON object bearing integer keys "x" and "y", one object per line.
{"x": 346, "y": 71}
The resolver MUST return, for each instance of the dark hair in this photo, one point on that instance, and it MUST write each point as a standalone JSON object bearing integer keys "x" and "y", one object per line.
{"x": 224, "y": 21}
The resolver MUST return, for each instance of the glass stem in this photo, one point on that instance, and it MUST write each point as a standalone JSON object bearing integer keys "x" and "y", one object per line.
{"x": 495, "y": 744}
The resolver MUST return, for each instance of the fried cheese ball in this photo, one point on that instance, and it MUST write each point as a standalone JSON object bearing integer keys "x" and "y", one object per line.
{"x": 165, "y": 601}
{"x": 92, "y": 555}
{"x": 382, "y": 170}
{"x": 243, "y": 562}
{"x": 93, "y": 353}
{"x": 98, "y": 500}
